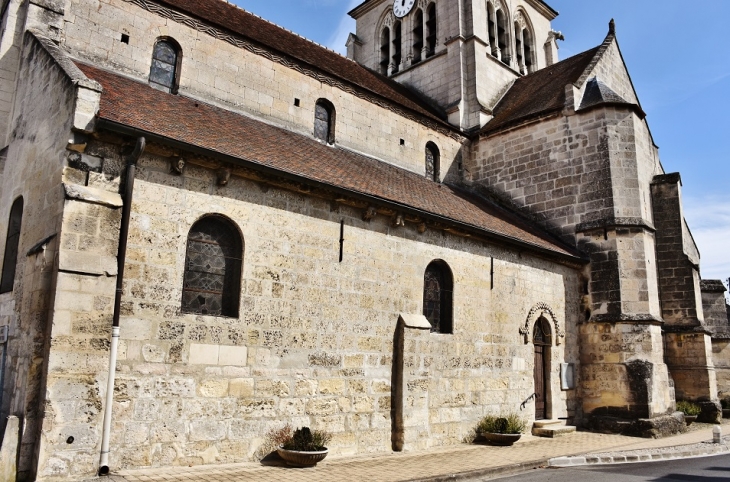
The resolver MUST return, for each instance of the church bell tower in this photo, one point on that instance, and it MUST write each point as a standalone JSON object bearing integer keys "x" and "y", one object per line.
{"x": 461, "y": 55}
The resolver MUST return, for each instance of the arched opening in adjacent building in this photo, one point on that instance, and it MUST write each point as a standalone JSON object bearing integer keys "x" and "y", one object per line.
{"x": 385, "y": 51}
{"x": 438, "y": 287}
{"x": 433, "y": 162}
{"x": 213, "y": 261}
{"x": 324, "y": 121}
{"x": 12, "y": 241}
{"x": 166, "y": 63}
{"x": 542, "y": 340}
{"x": 417, "y": 36}
{"x": 431, "y": 29}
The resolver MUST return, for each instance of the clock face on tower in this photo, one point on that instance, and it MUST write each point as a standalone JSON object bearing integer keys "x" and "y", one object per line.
{"x": 402, "y": 7}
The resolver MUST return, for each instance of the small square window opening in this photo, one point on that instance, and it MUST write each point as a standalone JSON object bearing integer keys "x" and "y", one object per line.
{"x": 125, "y": 38}
{"x": 296, "y": 102}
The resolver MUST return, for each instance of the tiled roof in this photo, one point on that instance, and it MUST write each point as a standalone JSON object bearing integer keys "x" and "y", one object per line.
{"x": 274, "y": 38}
{"x": 135, "y": 105}
{"x": 539, "y": 93}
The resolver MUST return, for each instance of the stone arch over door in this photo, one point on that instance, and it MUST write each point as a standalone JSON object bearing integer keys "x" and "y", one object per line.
{"x": 543, "y": 354}
{"x": 544, "y": 310}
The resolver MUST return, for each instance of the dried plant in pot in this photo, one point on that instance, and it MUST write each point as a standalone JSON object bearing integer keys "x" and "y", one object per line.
{"x": 502, "y": 430}
{"x": 690, "y": 409}
{"x": 301, "y": 447}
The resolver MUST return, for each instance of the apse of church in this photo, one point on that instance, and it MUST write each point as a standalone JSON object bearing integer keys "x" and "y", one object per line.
{"x": 241, "y": 228}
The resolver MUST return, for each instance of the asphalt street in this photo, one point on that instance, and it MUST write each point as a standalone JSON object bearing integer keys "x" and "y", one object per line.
{"x": 704, "y": 469}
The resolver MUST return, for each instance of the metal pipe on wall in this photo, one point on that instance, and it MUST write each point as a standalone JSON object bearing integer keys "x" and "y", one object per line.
{"x": 131, "y": 162}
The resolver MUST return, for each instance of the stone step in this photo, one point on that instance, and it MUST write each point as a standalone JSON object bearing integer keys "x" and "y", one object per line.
{"x": 548, "y": 423}
{"x": 553, "y": 431}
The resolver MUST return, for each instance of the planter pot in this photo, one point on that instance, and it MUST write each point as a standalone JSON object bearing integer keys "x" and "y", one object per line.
{"x": 295, "y": 458}
{"x": 688, "y": 419}
{"x": 502, "y": 439}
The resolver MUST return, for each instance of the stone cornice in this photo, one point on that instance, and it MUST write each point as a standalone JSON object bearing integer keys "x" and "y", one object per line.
{"x": 294, "y": 64}
{"x": 615, "y": 222}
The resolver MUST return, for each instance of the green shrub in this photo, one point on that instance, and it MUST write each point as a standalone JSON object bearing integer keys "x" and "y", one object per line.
{"x": 508, "y": 424}
{"x": 689, "y": 408}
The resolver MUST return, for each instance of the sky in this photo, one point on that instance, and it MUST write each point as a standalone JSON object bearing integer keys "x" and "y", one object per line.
{"x": 678, "y": 58}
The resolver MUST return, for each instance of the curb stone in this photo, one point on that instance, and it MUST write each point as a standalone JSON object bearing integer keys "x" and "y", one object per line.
{"x": 519, "y": 468}
{"x": 631, "y": 457}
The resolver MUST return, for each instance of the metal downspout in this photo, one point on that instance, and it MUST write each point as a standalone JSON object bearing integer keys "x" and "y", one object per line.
{"x": 131, "y": 162}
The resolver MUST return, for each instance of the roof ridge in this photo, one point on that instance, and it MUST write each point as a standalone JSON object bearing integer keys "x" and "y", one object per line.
{"x": 610, "y": 38}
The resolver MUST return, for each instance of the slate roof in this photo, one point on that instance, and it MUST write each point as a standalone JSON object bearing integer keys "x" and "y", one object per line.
{"x": 540, "y": 93}
{"x": 136, "y": 106}
{"x": 598, "y": 93}
{"x": 288, "y": 44}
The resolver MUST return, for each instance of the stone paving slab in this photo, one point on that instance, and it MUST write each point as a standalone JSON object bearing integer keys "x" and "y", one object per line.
{"x": 440, "y": 464}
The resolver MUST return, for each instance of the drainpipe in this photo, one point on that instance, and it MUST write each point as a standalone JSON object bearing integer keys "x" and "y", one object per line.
{"x": 131, "y": 162}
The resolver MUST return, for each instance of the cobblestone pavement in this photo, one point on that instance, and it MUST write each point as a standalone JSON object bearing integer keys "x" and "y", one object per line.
{"x": 433, "y": 465}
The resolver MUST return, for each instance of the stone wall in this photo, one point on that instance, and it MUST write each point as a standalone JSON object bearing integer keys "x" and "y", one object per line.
{"x": 314, "y": 341}
{"x": 221, "y": 73}
{"x": 41, "y": 128}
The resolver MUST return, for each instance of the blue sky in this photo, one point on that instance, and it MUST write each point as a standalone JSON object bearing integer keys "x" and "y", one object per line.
{"x": 678, "y": 58}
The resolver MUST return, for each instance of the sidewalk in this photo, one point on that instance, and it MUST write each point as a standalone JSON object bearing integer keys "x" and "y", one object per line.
{"x": 450, "y": 463}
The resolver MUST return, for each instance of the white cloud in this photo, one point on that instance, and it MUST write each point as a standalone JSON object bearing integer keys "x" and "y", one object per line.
{"x": 709, "y": 221}
{"x": 338, "y": 38}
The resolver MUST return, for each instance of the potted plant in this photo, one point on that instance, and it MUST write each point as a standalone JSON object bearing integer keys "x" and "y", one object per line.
{"x": 690, "y": 410}
{"x": 301, "y": 447}
{"x": 501, "y": 430}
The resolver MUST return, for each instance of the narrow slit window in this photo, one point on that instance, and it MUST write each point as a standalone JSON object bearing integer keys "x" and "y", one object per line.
{"x": 397, "y": 38}
{"x": 212, "y": 279}
{"x": 438, "y": 297}
{"x": 492, "y": 27}
{"x": 431, "y": 29}
{"x": 418, "y": 36}
{"x": 165, "y": 68}
{"x": 10, "y": 258}
{"x": 385, "y": 51}
{"x": 527, "y": 42}
{"x": 324, "y": 121}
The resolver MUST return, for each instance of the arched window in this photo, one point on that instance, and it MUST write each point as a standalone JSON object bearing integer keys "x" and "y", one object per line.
{"x": 397, "y": 38}
{"x": 433, "y": 162}
{"x": 417, "y": 36}
{"x": 10, "y": 260}
{"x": 212, "y": 280}
{"x": 503, "y": 38}
{"x": 324, "y": 121}
{"x": 385, "y": 51}
{"x": 438, "y": 287}
{"x": 431, "y": 29}
{"x": 165, "y": 68}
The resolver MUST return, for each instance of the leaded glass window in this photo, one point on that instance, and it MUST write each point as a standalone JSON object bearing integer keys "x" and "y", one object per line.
{"x": 542, "y": 334}
{"x": 432, "y": 162}
{"x": 437, "y": 297}
{"x": 212, "y": 281}
{"x": 10, "y": 259}
{"x": 324, "y": 121}
{"x": 165, "y": 63}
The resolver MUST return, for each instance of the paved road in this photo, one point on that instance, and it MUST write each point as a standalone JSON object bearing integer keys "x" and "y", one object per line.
{"x": 705, "y": 469}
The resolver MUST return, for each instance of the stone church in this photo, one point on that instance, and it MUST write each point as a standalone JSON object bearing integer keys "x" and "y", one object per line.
{"x": 211, "y": 226}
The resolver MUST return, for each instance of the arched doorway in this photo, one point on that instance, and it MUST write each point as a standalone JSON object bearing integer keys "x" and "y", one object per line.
{"x": 542, "y": 340}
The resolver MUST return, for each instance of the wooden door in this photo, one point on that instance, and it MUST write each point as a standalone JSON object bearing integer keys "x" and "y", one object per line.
{"x": 540, "y": 412}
